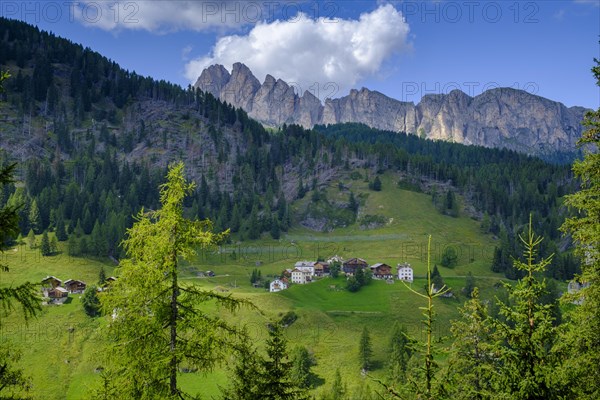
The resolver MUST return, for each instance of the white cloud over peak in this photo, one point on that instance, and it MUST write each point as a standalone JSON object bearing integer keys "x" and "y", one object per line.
{"x": 309, "y": 52}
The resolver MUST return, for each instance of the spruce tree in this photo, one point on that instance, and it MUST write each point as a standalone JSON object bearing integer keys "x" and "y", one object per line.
{"x": 365, "y": 350}
{"x": 45, "y": 248}
{"x": 526, "y": 332}
{"x": 471, "y": 364}
{"x": 90, "y": 301}
{"x": 61, "y": 233}
{"x": 276, "y": 381}
{"x": 35, "y": 219}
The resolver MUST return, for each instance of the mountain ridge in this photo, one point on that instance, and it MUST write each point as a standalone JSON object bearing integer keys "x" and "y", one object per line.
{"x": 499, "y": 117}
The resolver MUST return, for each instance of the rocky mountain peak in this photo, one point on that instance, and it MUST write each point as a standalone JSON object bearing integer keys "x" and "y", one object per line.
{"x": 498, "y": 117}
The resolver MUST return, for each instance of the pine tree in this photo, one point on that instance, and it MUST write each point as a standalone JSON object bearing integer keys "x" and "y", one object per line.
{"x": 276, "y": 382}
{"x": 31, "y": 239}
{"x": 469, "y": 284}
{"x": 338, "y": 388}
{"x": 157, "y": 318}
{"x": 244, "y": 375}
{"x": 399, "y": 354}
{"x": 61, "y": 233}
{"x": 472, "y": 364}
{"x": 365, "y": 351}
{"x": 526, "y": 331}
{"x": 45, "y": 248}
{"x": 101, "y": 277}
{"x": 90, "y": 301}
{"x": 302, "y": 362}
{"x": 35, "y": 219}
{"x": 53, "y": 245}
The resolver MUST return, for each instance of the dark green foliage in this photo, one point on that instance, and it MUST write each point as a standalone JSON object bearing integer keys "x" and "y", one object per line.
{"x": 256, "y": 276}
{"x": 101, "y": 277}
{"x": 334, "y": 269}
{"x": 436, "y": 278}
{"x": 338, "y": 388}
{"x": 275, "y": 380}
{"x": 244, "y": 377}
{"x": 580, "y": 341}
{"x": 365, "y": 350}
{"x": 352, "y": 284}
{"x": 449, "y": 257}
{"x": 90, "y": 301}
{"x": 376, "y": 184}
{"x": 45, "y": 248}
{"x": 288, "y": 318}
{"x": 469, "y": 284}
{"x": 302, "y": 362}
{"x": 61, "y": 233}
{"x": 399, "y": 354}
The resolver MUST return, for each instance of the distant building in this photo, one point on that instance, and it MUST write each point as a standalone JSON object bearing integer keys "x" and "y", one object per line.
{"x": 405, "y": 272}
{"x": 51, "y": 282}
{"x": 300, "y": 277}
{"x": 381, "y": 271}
{"x": 75, "y": 286}
{"x": 306, "y": 266}
{"x": 321, "y": 268}
{"x": 58, "y": 293}
{"x": 277, "y": 286}
{"x": 351, "y": 265}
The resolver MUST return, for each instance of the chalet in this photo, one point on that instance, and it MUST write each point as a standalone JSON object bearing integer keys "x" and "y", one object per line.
{"x": 350, "y": 266}
{"x": 74, "y": 286}
{"x": 381, "y": 271}
{"x": 321, "y": 268}
{"x": 299, "y": 276}
{"x": 405, "y": 272}
{"x": 58, "y": 293}
{"x": 277, "y": 286}
{"x": 306, "y": 266}
{"x": 50, "y": 282}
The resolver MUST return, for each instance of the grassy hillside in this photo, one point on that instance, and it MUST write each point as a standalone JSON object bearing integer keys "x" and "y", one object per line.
{"x": 60, "y": 347}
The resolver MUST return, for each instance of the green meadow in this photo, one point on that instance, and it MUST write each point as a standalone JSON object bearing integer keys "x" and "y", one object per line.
{"x": 61, "y": 348}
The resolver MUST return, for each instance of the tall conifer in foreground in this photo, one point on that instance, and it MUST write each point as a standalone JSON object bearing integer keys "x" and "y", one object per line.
{"x": 581, "y": 339}
{"x": 158, "y": 323}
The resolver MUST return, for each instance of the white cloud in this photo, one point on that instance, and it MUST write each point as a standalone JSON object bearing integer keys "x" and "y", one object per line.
{"x": 306, "y": 51}
{"x": 162, "y": 16}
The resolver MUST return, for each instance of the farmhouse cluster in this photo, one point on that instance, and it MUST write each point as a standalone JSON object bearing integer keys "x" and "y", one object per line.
{"x": 57, "y": 292}
{"x": 307, "y": 271}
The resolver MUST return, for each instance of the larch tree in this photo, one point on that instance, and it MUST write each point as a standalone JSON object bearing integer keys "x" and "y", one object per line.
{"x": 158, "y": 323}
{"x": 581, "y": 339}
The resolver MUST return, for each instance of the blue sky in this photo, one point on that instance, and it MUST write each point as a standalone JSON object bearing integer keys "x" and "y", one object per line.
{"x": 404, "y": 49}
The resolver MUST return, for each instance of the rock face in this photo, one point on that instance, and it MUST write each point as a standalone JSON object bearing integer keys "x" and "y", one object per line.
{"x": 501, "y": 117}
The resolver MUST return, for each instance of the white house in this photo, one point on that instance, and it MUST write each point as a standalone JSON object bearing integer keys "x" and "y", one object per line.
{"x": 405, "y": 272}
{"x": 277, "y": 286}
{"x": 306, "y": 266}
{"x": 299, "y": 276}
